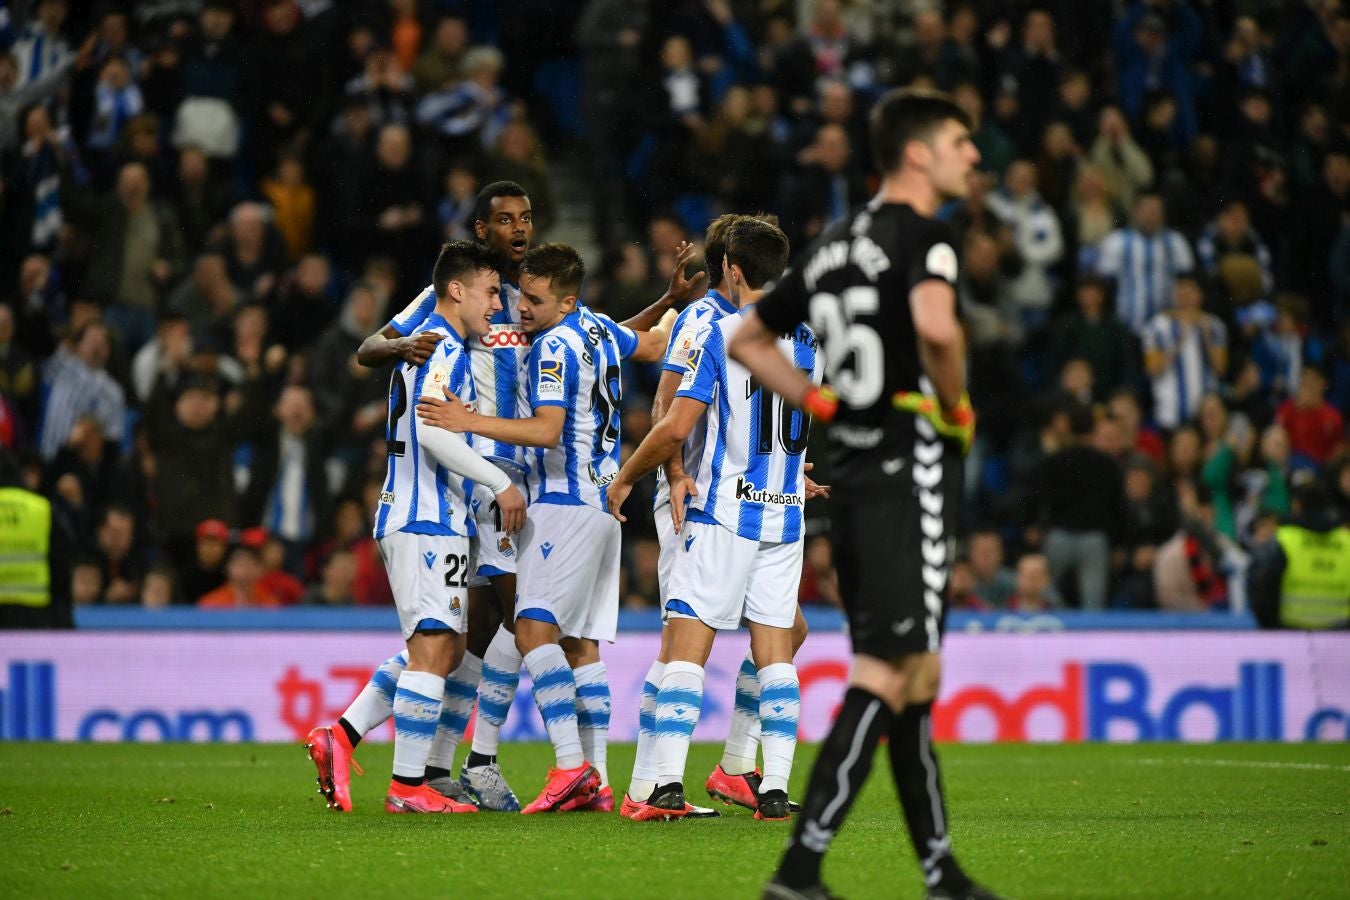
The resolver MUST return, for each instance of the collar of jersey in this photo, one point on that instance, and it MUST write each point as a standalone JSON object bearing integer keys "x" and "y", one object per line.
{"x": 727, "y": 306}
{"x": 436, "y": 320}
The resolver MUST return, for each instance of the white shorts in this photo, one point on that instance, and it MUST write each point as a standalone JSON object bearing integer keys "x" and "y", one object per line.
{"x": 494, "y": 552}
{"x": 666, "y": 538}
{"x": 569, "y": 569}
{"x": 429, "y": 576}
{"x": 725, "y": 578}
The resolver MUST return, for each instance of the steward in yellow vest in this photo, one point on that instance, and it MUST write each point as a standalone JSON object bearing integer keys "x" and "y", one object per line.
{"x": 1301, "y": 579}
{"x": 33, "y": 588}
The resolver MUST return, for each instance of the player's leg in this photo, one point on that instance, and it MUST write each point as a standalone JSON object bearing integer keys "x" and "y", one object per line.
{"x": 556, "y": 569}
{"x": 644, "y": 777}
{"x": 679, "y": 701}
{"x": 331, "y": 747}
{"x": 918, "y": 780}
{"x": 481, "y": 776}
{"x": 426, "y": 572}
{"x": 872, "y": 534}
{"x": 736, "y": 777}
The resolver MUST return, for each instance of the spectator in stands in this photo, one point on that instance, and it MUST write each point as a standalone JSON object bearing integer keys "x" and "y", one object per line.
{"x": 293, "y": 204}
{"x": 454, "y": 213}
{"x": 468, "y": 115}
{"x": 122, "y": 567}
{"x": 1092, "y": 333}
{"x": 1033, "y": 69}
{"x": 338, "y": 585}
{"x": 823, "y": 189}
{"x": 996, "y": 150}
{"x": 820, "y": 582}
{"x": 86, "y": 581}
{"x": 241, "y": 589}
{"x": 439, "y": 63}
{"x": 988, "y": 310}
{"x": 303, "y": 308}
{"x": 288, "y": 484}
{"x": 208, "y": 299}
{"x": 287, "y": 588}
{"x": 1185, "y": 353}
{"x": 1035, "y": 589}
{"x": 205, "y": 570}
{"x": 517, "y": 156}
{"x": 137, "y": 255}
{"x": 1153, "y": 54}
{"x": 1082, "y": 501}
{"x": 200, "y": 200}
{"x": 1300, "y": 576}
{"x": 1037, "y": 237}
{"x": 76, "y": 383}
{"x": 18, "y": 373}
{"x": 993, "y": 583}
{"x": 1119, "y": 158}
{"x": 159, "y": 589}
{"x": 254, "y": 252}
{"x": 193, "y": 444}
{"x": 393, "y": 205}
{"x": 1316, "y": 429}
{"x": 1229, "y": 234}
{"x": 1187, "y": 568}
{"x": 1145, "y": 260}
{"x": 1150, "y": 519}
{"x": 212, "y": 86}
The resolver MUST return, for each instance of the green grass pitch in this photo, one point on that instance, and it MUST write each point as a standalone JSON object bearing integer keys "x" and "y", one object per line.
{"x": 230, "y": 820}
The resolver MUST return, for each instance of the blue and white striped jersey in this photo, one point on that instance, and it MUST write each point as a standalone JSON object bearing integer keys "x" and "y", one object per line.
{"x": 1145, "y": 268}
{"x": 751, "y": 480}
{"x": 575, "y": 365}
{"x": 691, "y": 329}
{"x": 497, "y": 358}
{"x": 420, "y": 496}
{"x": 1177, "y": 390}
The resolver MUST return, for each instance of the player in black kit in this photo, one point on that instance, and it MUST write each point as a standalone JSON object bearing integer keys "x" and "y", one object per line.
{"x": 878, "y": 288}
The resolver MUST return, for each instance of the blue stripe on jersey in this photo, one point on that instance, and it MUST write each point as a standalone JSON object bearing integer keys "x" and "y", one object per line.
{"x": 720, "y": 451}
{"x": 1150, "y": 304}
{"x": 382, "y": 518}
{"x": 412, "y": 435}
{"x": 1125, "y": 292}
{"x": 1179, "y": 364}
{"x": 570, "y": 425}
{"x": 751, "y": 517}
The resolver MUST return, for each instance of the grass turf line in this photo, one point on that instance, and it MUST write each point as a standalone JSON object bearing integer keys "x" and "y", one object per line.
{"x": 1145, "y": 821}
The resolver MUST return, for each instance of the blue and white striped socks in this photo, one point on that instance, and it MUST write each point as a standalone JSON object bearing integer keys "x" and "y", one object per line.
{"x": 644, "y": 763}
{"x": 461, "y": 691}
{"x": 375, "y": 703}
{"x": 593, "y": 715}
{"x": 678, "y": 704}
{"x": 743, "y": 739}
{"x": 555, "y": 693}
{"x": 417, "y": 710}
{"x": 496, "y": 691}
{"x": 780, "y": 704}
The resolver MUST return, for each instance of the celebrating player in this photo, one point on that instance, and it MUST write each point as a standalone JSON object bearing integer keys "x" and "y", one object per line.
{"x": 569, "y": 551}
{"x": 879, "y": 290}
{"x": 745, "y": 522}
{"x": 423, "y": 526}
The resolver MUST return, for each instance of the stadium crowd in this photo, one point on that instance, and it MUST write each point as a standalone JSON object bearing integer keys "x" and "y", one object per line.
{"x": 207, "y": 205}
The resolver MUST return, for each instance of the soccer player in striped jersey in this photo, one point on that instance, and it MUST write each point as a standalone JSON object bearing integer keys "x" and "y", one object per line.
{"x": 490, "y": 671}
{"x": 744, "y": 522}
{"x": 423, "y": 528}
{"x": 569, "y": 551}
{"x": 504, "y": 224}
{"x": 736, "y": 778}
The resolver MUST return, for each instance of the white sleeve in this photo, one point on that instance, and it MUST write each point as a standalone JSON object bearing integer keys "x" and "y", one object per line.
{"x": 455, "y": 454}
{"x": 450, "y": 449}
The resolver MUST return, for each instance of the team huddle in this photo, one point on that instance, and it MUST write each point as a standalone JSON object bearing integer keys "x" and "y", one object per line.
{"x": 499, "y": 517}
{"x": 507, "y": 396}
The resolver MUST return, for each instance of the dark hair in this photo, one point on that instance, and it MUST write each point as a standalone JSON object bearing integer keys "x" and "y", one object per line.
{"x": 482, "y": 204}
{"x": 1081, "y": 420}
{"x": 715, "y": 240}
{"x": 760, "y": 249}
{"x": 457, "y": 260}
{"x": 560, "y": 263}
{"x": 908, "y": 114}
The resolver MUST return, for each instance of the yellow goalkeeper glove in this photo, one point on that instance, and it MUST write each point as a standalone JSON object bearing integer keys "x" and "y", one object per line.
{"x": 957, "y": 423}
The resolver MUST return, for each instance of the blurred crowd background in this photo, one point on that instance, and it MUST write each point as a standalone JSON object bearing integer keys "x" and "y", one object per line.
{"x": 206, "y": 205}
